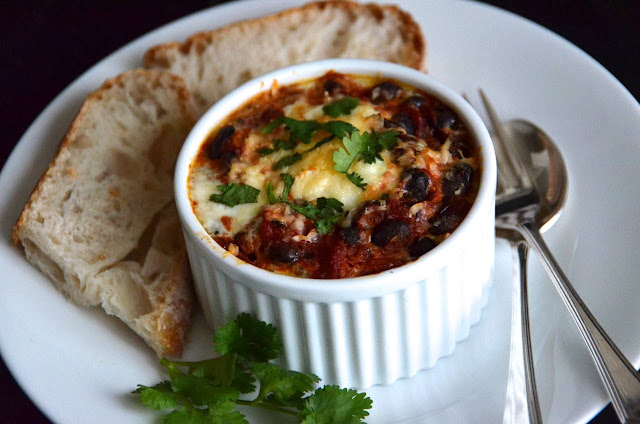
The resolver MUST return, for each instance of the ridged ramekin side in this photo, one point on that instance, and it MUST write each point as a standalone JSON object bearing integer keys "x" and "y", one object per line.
{"x": 368, "y": 341}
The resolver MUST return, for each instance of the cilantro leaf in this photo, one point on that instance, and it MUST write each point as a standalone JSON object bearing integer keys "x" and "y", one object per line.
{"x": 186, "y": 416}
{"x": 271, "y": 195}
{"x": 338, "y": 129}
{"x": 286, "y": 161}
{"x": 243, "y": 380}
{"x": 343, "y": 106}
{"x": 250, "y": 338}
{"x": 287, "y": 144}
{"x": 300, "y": 130}
{"x": 330, "y": 213}
{"x": 158, "y": 397}
{"x": 220, "y": 414}
{"x": 264, "y": 151}
{"x": 219, "y": 370}
{"x": 379, "y": 141}
{"x": 325, "y": 213}
{"x": 332, "y": 405}
{"x": 225, "y": 413}
{"x": 288, "y": 182}
{"x": 321, "y": 143}
{"x": 200, "y": 391}
{"x": 344, "y": 156}
{"x": 233, "y": 194}
{"x": 282, "y": 384}
{"x": 268, "y": 129}
{"x": 357, "y": 180}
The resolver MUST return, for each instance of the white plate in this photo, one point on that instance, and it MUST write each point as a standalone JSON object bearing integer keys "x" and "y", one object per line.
{"x": 78, "y": 366}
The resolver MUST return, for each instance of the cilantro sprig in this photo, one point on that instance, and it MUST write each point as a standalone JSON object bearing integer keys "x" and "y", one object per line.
{"x": 300, "y": 130}
{"x": 353, "y": 146}
{"x": 365, "y": 146}
{"x": 271, "y": 196}
{"x": 303, "y": 131}
{"x": 325, "y": 212}
{"x": 209, "y": 391}
{"x": 233, "y": 194}
{"x": 379, "y": 141}
{"x": 343, "y": 106}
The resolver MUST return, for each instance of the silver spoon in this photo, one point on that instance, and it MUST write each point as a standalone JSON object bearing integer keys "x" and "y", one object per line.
{"x": 526, "y": 199}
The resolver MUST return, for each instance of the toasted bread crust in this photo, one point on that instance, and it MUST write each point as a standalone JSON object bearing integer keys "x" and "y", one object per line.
{"x": 156, "y": 56}
{"x": 215, "y": 62}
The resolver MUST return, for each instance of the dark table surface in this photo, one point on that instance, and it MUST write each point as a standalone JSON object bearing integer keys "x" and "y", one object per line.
{"x": 46, "y": 44}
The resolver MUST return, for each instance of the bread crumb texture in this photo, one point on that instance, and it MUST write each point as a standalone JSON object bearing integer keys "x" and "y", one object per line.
{"x": 101, "y": 222}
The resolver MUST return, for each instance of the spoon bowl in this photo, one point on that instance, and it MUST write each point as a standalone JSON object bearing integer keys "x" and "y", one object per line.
{"x": 543, "y": 161}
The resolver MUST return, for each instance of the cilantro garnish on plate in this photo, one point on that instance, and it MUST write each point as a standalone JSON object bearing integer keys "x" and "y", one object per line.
{"x": 209, "y": 391}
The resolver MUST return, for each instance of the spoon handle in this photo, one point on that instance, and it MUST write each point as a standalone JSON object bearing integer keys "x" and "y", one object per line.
{"x": 620, "y": 378}
{"x": 521, "y": 381}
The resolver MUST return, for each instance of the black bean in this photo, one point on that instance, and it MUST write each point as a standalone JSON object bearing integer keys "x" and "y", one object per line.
{"x": 421, "y": 246}
{"x": 448, "y": 218}
{"x": 404, "y": 121}
{"x": 388, "y": 230}
{"x": 223, "y": 135}
{"x": 417, "y": 186}
{"x": 457, "y": 180}
{"x": 350, "y": 235}
{"x": 384, "y": 92}
{"x": 283, "y": 252}
{"x": 460, "y": 149}
{"x": 414, "y": 101}
{"x": 332, "y": 87}
{"x": 445, "y": 118}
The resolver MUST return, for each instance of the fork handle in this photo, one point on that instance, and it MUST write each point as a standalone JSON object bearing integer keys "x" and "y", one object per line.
{"x": 620, "y": 378}
{"x": 522, "y": 404}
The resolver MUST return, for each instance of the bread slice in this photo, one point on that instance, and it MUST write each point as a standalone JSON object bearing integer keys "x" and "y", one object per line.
{"x": 215, "y": 62}
{"x": 102, "y": 223}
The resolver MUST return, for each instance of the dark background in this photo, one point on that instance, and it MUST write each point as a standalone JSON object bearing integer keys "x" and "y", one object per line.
{"x": 45, "y": 45}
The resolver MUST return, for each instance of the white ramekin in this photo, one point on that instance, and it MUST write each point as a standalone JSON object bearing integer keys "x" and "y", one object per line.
{"x": 354, "y": 332}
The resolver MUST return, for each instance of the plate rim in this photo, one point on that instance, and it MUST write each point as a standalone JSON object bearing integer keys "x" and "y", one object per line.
{"x": 138, "y": 43}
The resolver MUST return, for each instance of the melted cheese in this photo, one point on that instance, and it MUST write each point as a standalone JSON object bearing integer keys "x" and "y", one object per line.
{"x": 314, "y": 175}
{"x": 202, "y": 184}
